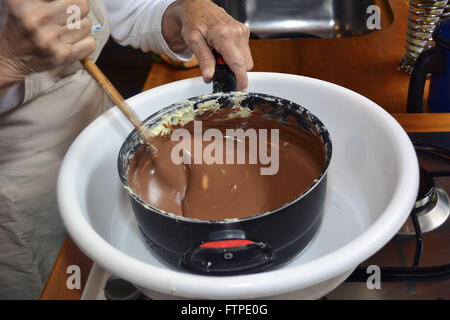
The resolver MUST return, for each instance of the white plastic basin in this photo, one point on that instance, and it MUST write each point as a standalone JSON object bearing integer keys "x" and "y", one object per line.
{"x": 372, "y": 185}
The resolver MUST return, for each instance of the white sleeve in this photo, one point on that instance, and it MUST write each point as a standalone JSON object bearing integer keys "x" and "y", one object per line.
{"x": 11, "y": 97}
{"x": 137, "y": 23}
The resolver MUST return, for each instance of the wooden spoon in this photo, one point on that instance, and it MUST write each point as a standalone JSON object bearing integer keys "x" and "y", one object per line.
{"x": 165, "y": 176}
{"x": 117, "y": 98}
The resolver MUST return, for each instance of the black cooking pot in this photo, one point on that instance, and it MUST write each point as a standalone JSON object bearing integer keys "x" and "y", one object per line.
{"x": 234, "y": 246}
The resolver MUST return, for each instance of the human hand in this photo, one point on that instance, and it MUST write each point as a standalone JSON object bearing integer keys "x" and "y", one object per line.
{"x": 201, "y": 25}
{"x": 37, "y": 37}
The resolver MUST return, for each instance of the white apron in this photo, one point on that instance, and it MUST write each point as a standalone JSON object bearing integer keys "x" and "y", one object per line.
{"x": 34, "y": 137}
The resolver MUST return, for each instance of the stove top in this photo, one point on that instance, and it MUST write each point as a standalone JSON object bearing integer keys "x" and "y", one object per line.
{"x": 415, "y": 264}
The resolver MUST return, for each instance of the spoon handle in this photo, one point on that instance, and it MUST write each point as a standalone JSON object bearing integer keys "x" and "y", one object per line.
{"x": 115, "y": 96}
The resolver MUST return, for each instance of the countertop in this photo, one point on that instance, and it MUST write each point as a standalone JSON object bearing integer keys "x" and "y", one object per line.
{"x": 365, "y": 64}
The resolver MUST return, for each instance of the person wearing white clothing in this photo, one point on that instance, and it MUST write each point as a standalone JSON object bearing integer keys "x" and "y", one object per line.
{"x": 46, "y": 99}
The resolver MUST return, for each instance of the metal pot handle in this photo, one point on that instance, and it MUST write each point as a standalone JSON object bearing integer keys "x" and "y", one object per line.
{"x": 430, "y": 61}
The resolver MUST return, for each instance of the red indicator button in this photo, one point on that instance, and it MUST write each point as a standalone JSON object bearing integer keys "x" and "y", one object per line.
{"x": 226, "y": 243}
{"x": 220, "y": 60}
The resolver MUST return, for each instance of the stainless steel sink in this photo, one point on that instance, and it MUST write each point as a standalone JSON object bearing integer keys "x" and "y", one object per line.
{"x": 269, "y": 19}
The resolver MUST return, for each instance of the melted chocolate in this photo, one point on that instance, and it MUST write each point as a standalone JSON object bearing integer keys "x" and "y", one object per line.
{"x": 226, "y": 191}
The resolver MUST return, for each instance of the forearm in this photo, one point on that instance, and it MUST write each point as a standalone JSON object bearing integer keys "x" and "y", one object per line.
{"x": 182, "y": 28}
{"x": 139, "y": 24}
{"x": 9, "y": 77}
{"x": 12, "y": 75}
{"x": 11, "y": 69}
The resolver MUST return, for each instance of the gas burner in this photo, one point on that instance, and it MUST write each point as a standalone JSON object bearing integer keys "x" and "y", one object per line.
{"x": 432, "y": 206}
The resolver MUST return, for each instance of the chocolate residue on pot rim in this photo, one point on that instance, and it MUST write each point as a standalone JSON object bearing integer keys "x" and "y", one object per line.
{"x": 229, "y": 191}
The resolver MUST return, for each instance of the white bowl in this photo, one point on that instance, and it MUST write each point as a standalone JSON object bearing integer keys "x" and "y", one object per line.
{"x": 372, "y": 185}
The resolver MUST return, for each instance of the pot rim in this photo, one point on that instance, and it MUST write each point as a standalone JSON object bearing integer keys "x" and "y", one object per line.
{"x": 156, "y": 117}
